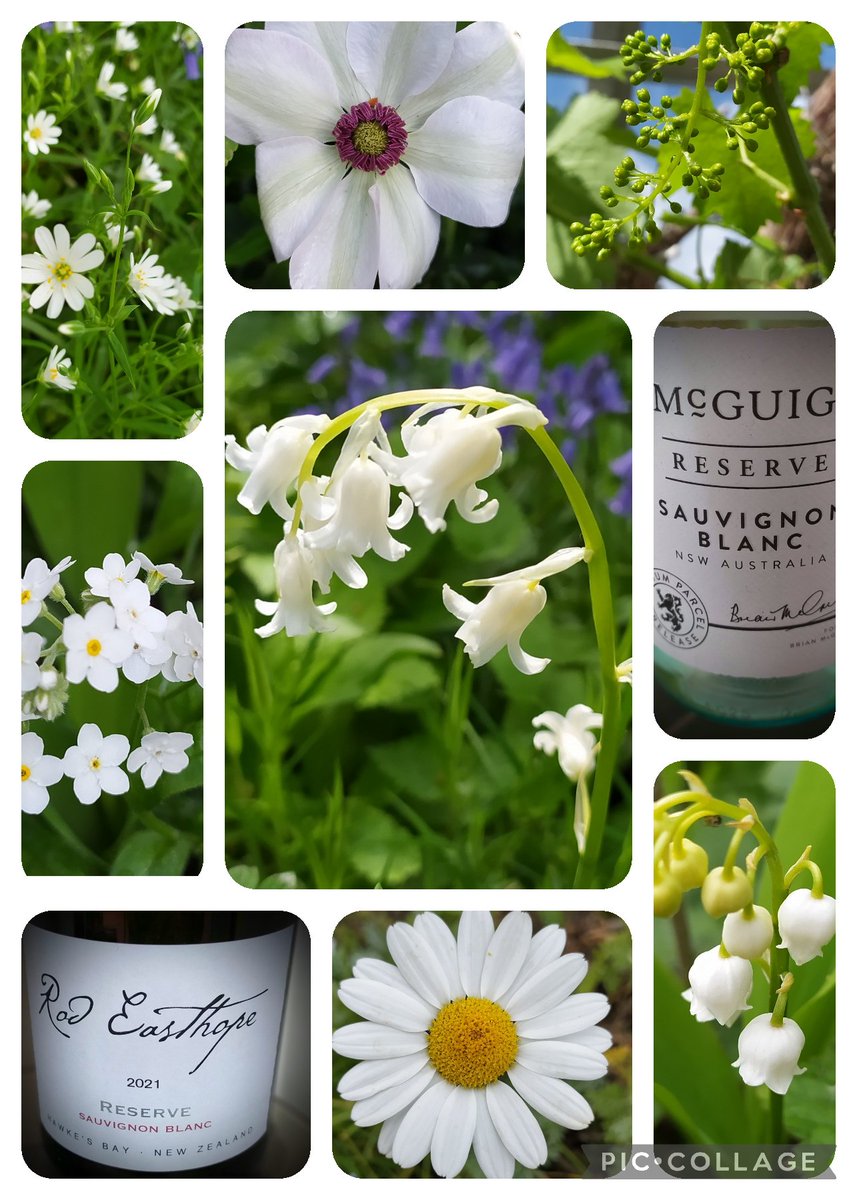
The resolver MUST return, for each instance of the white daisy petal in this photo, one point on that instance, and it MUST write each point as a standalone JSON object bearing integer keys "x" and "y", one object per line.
{"x": 494, "y": 1159}
{"x": 418, "y": 963}
{"x": 368, "y": 1040}
{"x": 388, "y": 1131}
{"x": 544, "y": 989}
{"x": 414, "y": 1136}
{"x": 408, "y": 230}
{"x": 439, "y": 936}
{"x": 595, "y": 1038}
{"x": 377, "y": 1002}
{"x": 394, "y": 59}
{"x": 552, "y": 1098}
{"x": 383, "y": 972}
{"x": 296, "y": 179}
{"x": 545, "y": 947}
{"x": 475, "y": 931}
{"x": 392, "y": 1100}
{"x": 516, "y": 1126}
{"x": 574, "y": 1014}
{"x": 341, "y": 250}
{"x": 266, "y": 101}
{"x": 453, "y": 1134}
{"x": 562, "y": 1060}
{"x": 369, "y": 1078}
{"x": 505, "y": 954}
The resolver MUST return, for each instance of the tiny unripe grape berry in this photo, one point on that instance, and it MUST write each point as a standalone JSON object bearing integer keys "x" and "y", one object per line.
{"x": 667, "y": 101}
{"x": 658, "y": 112}
{"x": 663, "y": 137}
{"x": 637, "y": 186}
{"x": 614, "y": 200}
{"x": 721, "y": 84}
{"x": 603, "y": 253}
{"x": 751, "y": 144}
{"x": 643, "y": 94}
{"x": 714, "y": 185}
{"x": 717, "y": 169}
{"x": 605, "y": 192}
{"x": 750, "y": 127}
{"x": 687, "y": 179}
{"x": 576, "y": 227}
{"x": 666, "y": 41}
{"x": 695, "y": 169}
{"x": 732, "y": 143}
{"x": 657, "y": 75}
{"x": 628, "y": 163}
{"x": 702, "y": 191}
{"x": 738, "y": 95}
{"x": 675, "y": 206}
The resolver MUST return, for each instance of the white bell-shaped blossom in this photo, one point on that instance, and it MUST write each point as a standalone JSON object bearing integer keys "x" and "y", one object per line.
{"x": 719, "y": 986}
{"x": 515, "y": 599}
{"x": 450, "y": 452}
{"x": 806, "y": 924}
{"x": 768, "y": 1054}
{"x": 570, "y": 738}
{"x": 748, "y": 935}
{"x": 297, "y": 570}
{"x": 272, "y": 460}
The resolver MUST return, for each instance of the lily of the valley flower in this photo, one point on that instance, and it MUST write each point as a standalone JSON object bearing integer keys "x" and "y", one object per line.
{"x": 748, "y": 935}
{"x": 806, "y": 924}
{"x": 272, "y": 460}
{"x": 52, "y": 372}
{"x": 297, "y": 570}
{"x": 720, "y": 985}
{"x": 570, "y": 738}
{"x": 768, "y": 1054}
{"x": 58, "y": 269}
{"x": 515, "y": 599}
{"x": 368, "y": 132}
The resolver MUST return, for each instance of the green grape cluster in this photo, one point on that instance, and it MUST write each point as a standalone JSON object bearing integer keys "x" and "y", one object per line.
{"x": 644, "y": 56}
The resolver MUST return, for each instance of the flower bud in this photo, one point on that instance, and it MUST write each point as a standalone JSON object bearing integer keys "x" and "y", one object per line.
{"x": 719, "y": 987}
{"x": 688, "y": 864}
{"x": 724, "y": 893}
{"x": 748, "y": 936}
{"x": 667, "y": 896}
{"x": 147, "y": 108}
{"x": 768, "y": 1054}
{"x": 806, "y": 924}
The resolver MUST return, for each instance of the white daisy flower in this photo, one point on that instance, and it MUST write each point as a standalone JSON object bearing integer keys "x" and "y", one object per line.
{"x": 42, "y": 132}
{"x": 58, "y": 269}
{"x": 154, "y": 287}
{"x": 33, "y": 206}
{"x": 159, "y": 752}
{"x": 104, "y": 86}
{"x": 95, "y": 764}
{"x": 461, "y": 1038}
{"x": 38, "y": 772}
{"x": 52, "y": 372}
{"x": 95, "y": 648}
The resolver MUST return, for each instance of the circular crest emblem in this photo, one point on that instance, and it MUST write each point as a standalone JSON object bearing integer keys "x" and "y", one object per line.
{"x": 680, "y": 616}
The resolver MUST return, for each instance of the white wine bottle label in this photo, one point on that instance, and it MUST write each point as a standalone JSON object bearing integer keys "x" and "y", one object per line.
{"x": 744, "y": 477}
{"x": 155, "y": 1058}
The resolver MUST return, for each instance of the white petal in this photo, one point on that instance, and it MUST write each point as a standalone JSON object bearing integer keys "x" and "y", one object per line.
{"x": 388, "y": 1131}
{"x": 453, "y": 1134}
{"x": 466, "y": 159}
{"x": 408, "y": 230}
{"x": 394, "y": 59}
{"x": 369, "y": 1078}
{"x": 89, "y": 739}
{"x": 296, "y": 179}
{"x": 562, "y": 1060}
{"x": 47, "y": 771}
{"x": 505, "y": 954}
{"x": 458, "y": 605}
{"x": 516, "y": 1126}
{"x": 574, "y": 1014}
{"x": 383, "y": 972}
{"x": 114, "y": 749}
{"x": 486, "y": 61}
{"x": 544, "y": 989}
{"x": 546, "y": 947}
{"x": 595, "y": 1037}
{"x": 368, "y": 1040}
{"x": 418, "y": 963}
{"x": 440, "y": 937}
{"x": 113, "y": 780}
{"x": 341, "y": 250}
{"x": 45, "y": 241}
{"x": 87, "y": 788}
{"x": 392, "y": 1100}
{"x": 494, "y": 1159}
{"x": 328, "y": 38}
{"x": 386, "y": 1005}
{"x": 414, "y": 1136}
{"x": 554, "y": 1099}
{"x": 277, "y": 86}
{"x": 475, "y": 931}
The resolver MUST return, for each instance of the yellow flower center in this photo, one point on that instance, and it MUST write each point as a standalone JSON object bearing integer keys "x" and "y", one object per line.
{"x": 26, "y": 596}
{"x": 472, "y": 1042}
{"x": 36, "y": 133}
{"x": 370, "y": 137}
{"x": 93, "y": 647}
{"x": 95, "y": 763}
{"x": 25, "y": 772}
{"x": 54, "y": 373}
{"x": 61, "y": 270}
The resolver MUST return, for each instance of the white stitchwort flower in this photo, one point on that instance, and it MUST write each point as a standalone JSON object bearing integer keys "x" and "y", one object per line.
{"x": 105, "y": 87}
{"x": 182, "y": 296}
{"x": 95, "y": 647}
{"x": 33, "y": 206}
{"x": 37, "y": 583}
{"x": 768, "y": 1054}
{"x": 42, "y": 132}
{"x": 367, "y": 133}
{"x": 272, "y": 460}
{"x": 183, "y": 635}
{"x": 806, "y": 924}
{"x": 169, "y": 145}
{"x": 31, "y": 648}
{"x": 114, "y": 569}
{"x": 159, "y": 752}
{"x": 461, "y": 1038}
{"x": 52, "y": 372}
{"x": 113, "y": 231}
{"x": 132, "y": 604}
{"x": 570, "y": 738}
{"x": 147, "y": 128}
{"x": 59, "y": 269}
{"x": 39, "y": 771}
{"x": 150, "y": 172}
{"x": 515, "y": 599}
{"x": 152, "y": 285}
{"x": 450, "y": 452}
{"x": 296, "y": 568}
{"x": 94, "y": 764}
{"x": 719, "y": 986}
{"x": 125, "y": 40}
{"x": 160, "y": 572}
{"x": 748, "y": 936}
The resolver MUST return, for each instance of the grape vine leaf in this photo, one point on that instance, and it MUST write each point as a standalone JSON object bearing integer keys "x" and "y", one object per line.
{"x": 562, "y": 56}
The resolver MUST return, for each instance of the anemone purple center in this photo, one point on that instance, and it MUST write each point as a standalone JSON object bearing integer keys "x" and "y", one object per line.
{"x": 371, "y": 137}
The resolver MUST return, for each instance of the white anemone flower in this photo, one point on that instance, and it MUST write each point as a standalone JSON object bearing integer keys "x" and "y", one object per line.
{"x": 367, "y": 133}
{"x": 113, "y": 569}
{"x": 52, "y": 373}
{"x": 272, "y": 460}
{"x": 463, "y": 1037}
{"x": 748, "y": 935}
{"x": 155, "y": 288}
{"x": 32, "y": 645}
{"x": 806, "y": 924}
{"x": 105, "y": 87}
{"x": 37, "y": 583}
{"x": 297, "y": 569}
{"x": 95, "y": 764}
{"x": 58, "y": 269}
{"x": 42, "y": 132}
{"x": 160, "y": 752}
{"x": 515, "y": 599}
{"x": 450, "y": 452}
{"x": 719, "y": 986}
{"x": 160, "y": 572}
{"x": 39, "y": 771}
{"x": 570, "y": 738}
{"x": 33, "y": 206}
{"x": 768, "y": 1054}
{"x": 95, "y": 647}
